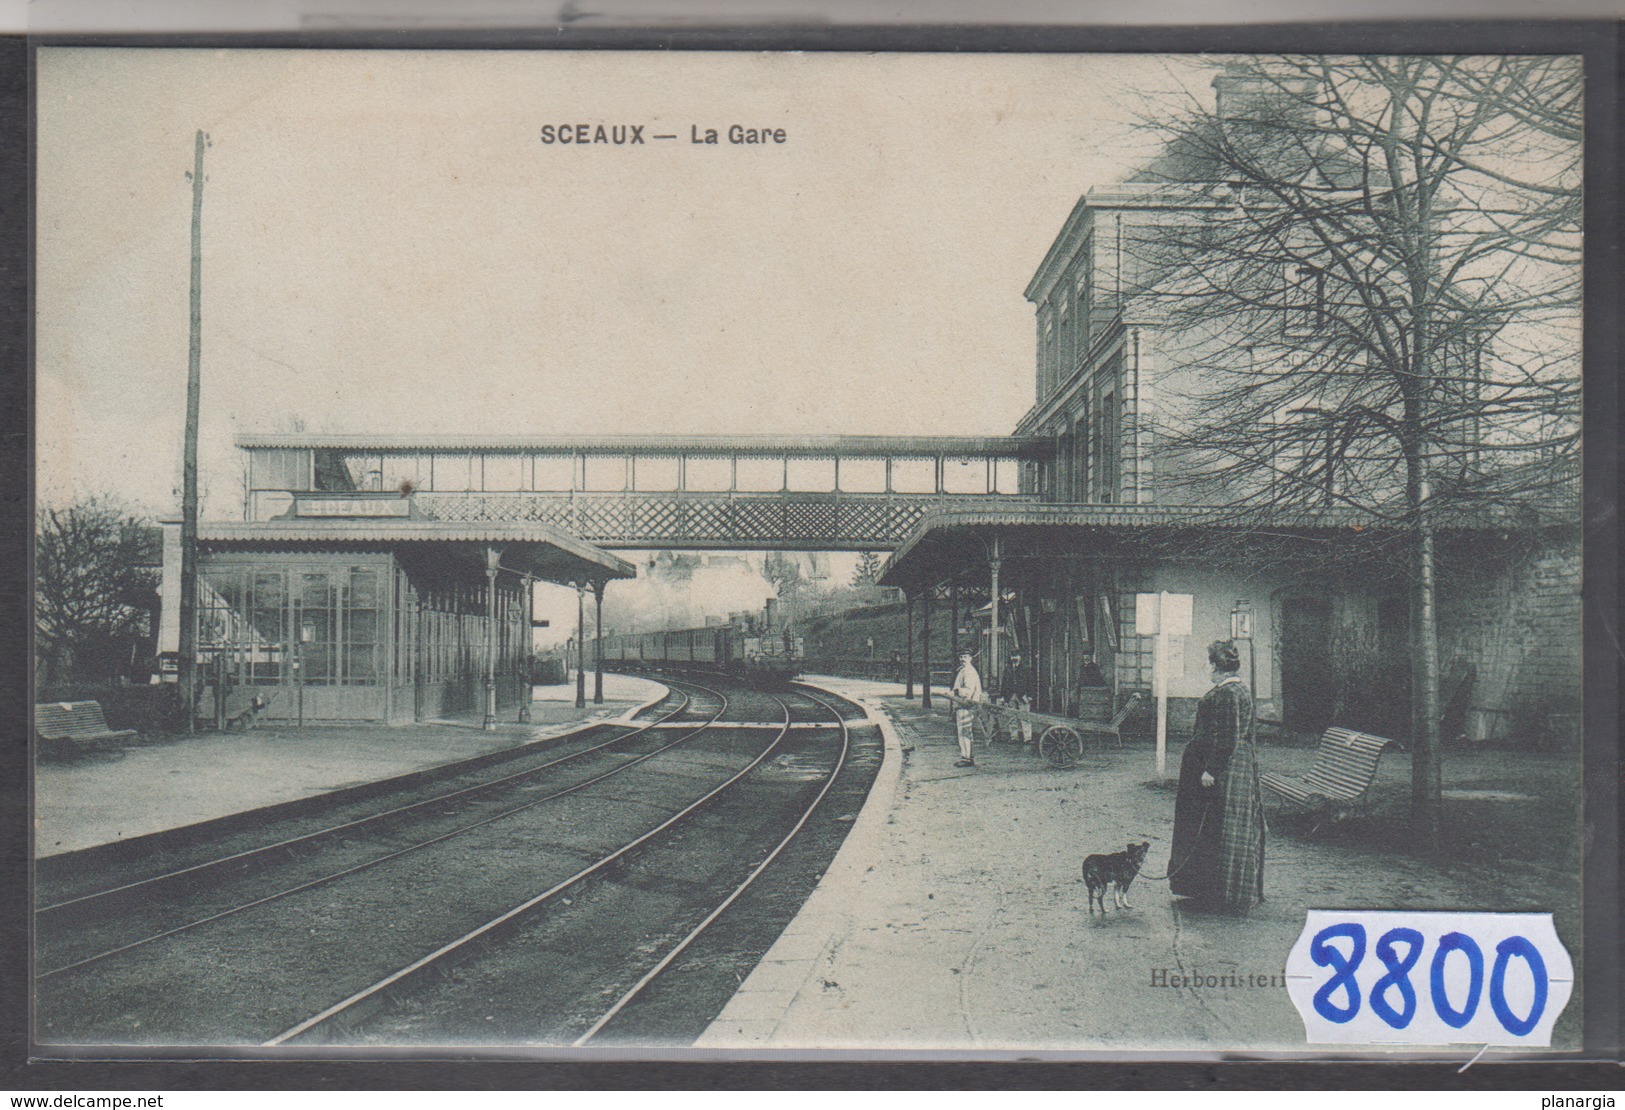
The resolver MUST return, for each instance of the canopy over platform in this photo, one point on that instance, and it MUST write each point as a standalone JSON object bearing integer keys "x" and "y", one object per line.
{"x": 952, "y": 544}
{"x": 537, "y": 550}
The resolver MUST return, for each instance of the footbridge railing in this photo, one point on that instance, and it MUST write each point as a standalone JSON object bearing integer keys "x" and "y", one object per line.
{"x": 741, "y": 521}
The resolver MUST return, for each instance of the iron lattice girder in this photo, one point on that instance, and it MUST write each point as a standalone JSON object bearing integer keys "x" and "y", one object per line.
{"x": 739, "y": 521}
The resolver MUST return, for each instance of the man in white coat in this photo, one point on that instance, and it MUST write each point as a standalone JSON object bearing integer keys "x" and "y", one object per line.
{"x": 967, "y": 687}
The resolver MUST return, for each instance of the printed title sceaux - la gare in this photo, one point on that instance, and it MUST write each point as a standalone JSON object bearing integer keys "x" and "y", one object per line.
{"x": 640, "y": 134}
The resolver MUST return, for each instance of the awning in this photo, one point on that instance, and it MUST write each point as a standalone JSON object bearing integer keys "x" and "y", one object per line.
{"x": 953, "y": 544}
{"x": 539, "y": 550}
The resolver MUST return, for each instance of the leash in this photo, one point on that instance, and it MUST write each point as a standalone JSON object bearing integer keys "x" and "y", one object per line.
{"x": 1196, "y": 837}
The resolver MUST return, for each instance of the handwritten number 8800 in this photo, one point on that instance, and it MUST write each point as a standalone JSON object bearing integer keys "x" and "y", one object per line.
{"x": 1396, "y": 980}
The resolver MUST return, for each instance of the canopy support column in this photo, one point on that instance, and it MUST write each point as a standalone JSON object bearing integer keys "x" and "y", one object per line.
{"x": 581, "y": 647}
{"x": 908, "y": 646}
{"x": 925, "y": 649}
{"x": 493, "y": 557}
{"x": 994, "y": 662}
{"x": 527, "y": 642}
{"x": 598, "y": 644}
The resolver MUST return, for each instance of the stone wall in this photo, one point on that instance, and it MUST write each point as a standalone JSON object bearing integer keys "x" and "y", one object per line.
{"x": 1519, "y": 630}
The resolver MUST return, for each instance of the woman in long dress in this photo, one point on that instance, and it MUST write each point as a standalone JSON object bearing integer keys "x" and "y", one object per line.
{"x": 1218, "y": 848}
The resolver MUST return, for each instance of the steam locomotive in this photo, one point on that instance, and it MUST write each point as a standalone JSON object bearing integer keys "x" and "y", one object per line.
{"x": 745, "y": 648}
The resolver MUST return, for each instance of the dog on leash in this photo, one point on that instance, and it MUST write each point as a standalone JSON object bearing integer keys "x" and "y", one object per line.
{"x": 1116, "y": 871}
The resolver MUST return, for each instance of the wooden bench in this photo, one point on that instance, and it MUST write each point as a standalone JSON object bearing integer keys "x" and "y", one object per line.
{"x": 1339, "y": 783}
{"x": 72, "y": 724}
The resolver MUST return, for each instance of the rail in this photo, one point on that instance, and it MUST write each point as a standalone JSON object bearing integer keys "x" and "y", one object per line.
{"x": 694, "y": 934}
{"x": 350, "y": 826}
{"x": 528, "y": 906}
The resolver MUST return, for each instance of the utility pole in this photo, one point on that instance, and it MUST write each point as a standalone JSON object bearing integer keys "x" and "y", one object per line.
{"x": 188, "y": 598}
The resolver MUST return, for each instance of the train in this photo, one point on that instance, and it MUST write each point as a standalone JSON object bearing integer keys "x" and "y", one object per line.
{"x": 755, "y": 650}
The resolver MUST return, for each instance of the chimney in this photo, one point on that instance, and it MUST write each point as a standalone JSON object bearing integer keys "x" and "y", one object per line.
{"x": 1251, "y": 94}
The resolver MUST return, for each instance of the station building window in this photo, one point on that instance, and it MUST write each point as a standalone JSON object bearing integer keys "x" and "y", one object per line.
{"x": 605, "y": 473}
{"x": 964, "y": 476}
{"x": 278, "y": 469}
{"x": 325, "y": 617}
{"x": 366, "y": 472}
{"x": 504, "y": 473}
{"x": 863, "y": 475}
{"x": 553, "y": 473}
{"x": 452, "y": 473}
{"x": 760, "y": 475}
{"x": 655, "y": 473}
{"x": 810, "y": 475}
{"x": 914, "y": 475}
{"x": 402, "y": 471}
{"x": 1110, "y": 471}
{"x": 708, "y": 475}
{"x": 1304, "y": 301}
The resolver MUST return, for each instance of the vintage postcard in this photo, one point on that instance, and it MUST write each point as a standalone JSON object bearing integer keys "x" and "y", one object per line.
{"x": 760, "y": 554}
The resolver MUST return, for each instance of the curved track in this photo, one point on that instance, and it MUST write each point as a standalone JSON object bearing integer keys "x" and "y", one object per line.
{"x": 364, "y": 931}
{"x": 263, "y": 858}
{"x": 193, "y": 871}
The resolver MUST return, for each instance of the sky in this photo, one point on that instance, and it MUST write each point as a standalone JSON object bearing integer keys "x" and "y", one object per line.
{"x": 388, "y": 245}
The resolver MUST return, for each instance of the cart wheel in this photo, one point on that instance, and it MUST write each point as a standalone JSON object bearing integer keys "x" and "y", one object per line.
{"x": 1061, "y": 747}
{"x": 984, "y": 727}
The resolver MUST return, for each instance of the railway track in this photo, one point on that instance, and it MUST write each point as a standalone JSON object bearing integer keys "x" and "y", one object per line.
{"x": 517, "y": 766}
{"x": 373, "y": 929}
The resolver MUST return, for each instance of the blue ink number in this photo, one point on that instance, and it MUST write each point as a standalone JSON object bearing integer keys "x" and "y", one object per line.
{"x": 1457, "y": 942}
{"x": 1343, "y": 968}
{"x": 1398, "y": 977}
{"x": 1517, "y": 946}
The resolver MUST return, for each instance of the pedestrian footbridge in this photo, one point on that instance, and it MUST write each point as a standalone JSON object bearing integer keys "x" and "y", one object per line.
{"x": 823, "y": 493}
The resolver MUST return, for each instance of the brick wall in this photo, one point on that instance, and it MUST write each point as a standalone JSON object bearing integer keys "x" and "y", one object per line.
{"x": 1520, "y": 629}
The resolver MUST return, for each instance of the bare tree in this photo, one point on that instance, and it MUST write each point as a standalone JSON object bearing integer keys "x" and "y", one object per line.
{"x": 1370, "y": 266}
{"x": 95, "y": 589}
{"x": 868, "y": 569}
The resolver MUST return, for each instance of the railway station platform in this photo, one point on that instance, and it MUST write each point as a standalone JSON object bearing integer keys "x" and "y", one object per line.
{"x": 166, "y": 783}
{"x": 953, "y": 918}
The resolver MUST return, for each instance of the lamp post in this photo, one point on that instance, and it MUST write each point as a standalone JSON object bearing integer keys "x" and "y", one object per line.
{"x": 1241, "y": 628}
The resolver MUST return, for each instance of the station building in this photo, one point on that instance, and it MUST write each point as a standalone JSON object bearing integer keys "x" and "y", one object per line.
{"x": 1318, "y": 594}
{"x": 387, "y": 578}
{"x": 354, "y": 608}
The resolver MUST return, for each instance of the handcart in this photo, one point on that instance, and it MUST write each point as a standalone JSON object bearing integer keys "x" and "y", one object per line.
{"x": 1063, "y": 742}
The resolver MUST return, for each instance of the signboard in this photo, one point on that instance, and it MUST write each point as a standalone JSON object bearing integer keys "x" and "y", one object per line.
{"x": 354, "y": 507}
{"x": 1168, "y": 614}
{"x": 1162, "y": 615}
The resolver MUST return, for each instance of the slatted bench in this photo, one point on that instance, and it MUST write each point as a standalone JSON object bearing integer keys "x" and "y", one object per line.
{"x": 1338, "y": 785}
{"x": 74, "y": 724}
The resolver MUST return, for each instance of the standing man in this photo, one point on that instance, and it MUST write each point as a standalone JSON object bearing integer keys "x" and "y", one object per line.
{"x": 1018, "y": 692}
{"x": 967, "y": 688}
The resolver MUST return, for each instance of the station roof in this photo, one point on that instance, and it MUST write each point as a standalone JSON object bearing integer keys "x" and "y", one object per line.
{"x": 950, "y": 544}
{"x": 849, "y": 446}
{"x": 530, "y": 548}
